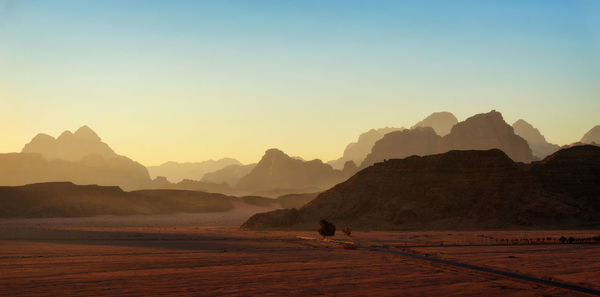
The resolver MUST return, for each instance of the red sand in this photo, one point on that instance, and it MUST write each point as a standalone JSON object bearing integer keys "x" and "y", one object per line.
{"x": 54, "y": 260}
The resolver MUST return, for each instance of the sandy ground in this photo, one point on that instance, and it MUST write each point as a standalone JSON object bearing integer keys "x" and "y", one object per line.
{"x": 185, "y": 256}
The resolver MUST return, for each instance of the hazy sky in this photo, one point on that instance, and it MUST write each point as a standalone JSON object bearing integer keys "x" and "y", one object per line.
{"x": 193, "y": 80}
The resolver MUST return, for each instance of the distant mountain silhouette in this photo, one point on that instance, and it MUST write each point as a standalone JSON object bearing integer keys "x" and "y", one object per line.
{"x": 537, "y": 142}
{"x": 229, "y": 174}
{"x": 79, "y": 157}
{"x": 278, "y": 173}
{"x": 419, "y": 141}
{"x": 479, "y": 132}
{"x": 357, "y": 151}
{"x": 162, "y": 182}
{"x": 487, "y": 131}
{"x": 456, "y": 190}
{"x": 441, "y": 122}
{"x": 592, "y": 136}
{"x": 64, "y": 199}
{"x": 177, "y": 172}
{"x": 26, "y": 168}
{"x": 70, "y": 146}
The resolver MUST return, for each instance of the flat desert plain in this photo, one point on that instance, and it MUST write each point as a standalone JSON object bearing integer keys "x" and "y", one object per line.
{"x": 191, "y": 255}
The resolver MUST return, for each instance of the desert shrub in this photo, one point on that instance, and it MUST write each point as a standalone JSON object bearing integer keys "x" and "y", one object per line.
{"x": 327, "y": 228}
{"x": 562, "y": 239}
{"x": 347, "y": 231}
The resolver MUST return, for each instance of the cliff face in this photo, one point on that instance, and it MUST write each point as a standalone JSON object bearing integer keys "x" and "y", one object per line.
{"x": 458, "y": 189}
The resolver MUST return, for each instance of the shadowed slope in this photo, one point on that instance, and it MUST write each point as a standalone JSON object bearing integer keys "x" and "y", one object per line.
{"x": 64, "y": 199}
{"x": 458, "y": 189}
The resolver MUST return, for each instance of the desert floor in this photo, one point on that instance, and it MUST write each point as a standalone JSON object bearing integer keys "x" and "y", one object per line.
{"x": 184, "y": 256}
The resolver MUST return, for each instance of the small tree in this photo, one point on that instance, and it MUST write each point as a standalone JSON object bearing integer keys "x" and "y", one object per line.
{"x": 327, "y": 228}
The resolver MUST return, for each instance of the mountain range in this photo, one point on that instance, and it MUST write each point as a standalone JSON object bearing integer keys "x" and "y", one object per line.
{"x": 83, "y": 158}
{"x": 479, "y": 132}
{"x": 457, "y": 190}
{"x": 177, "y": 172}
{"x": 277, "y": 173}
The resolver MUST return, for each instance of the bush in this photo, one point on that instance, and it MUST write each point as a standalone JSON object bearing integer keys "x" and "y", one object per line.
{"x": 347, "y": 231}
{"x": 327, "y": 228}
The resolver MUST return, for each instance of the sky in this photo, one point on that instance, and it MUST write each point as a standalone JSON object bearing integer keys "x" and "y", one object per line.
{"x": 194, "y": 80}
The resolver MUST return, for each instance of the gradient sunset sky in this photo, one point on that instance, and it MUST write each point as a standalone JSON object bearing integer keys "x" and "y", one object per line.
{"x": 194, "y": 80}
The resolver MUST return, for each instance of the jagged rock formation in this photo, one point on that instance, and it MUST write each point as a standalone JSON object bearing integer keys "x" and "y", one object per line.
{"x": 79, "y": 157}
{"x": 357, "y": 151}
{"x": 479, "y": 132}
{"x": 592, "y": 136}
{"x": 458, "y": 189}
{"x": 70, "y": 146}
{"x": 278, "y": 174}
{"x": 229, "y": 174}
{"x": 177, "y": 172}
{"x": 537, "y": 142}
{"x": 441, "y": 122}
